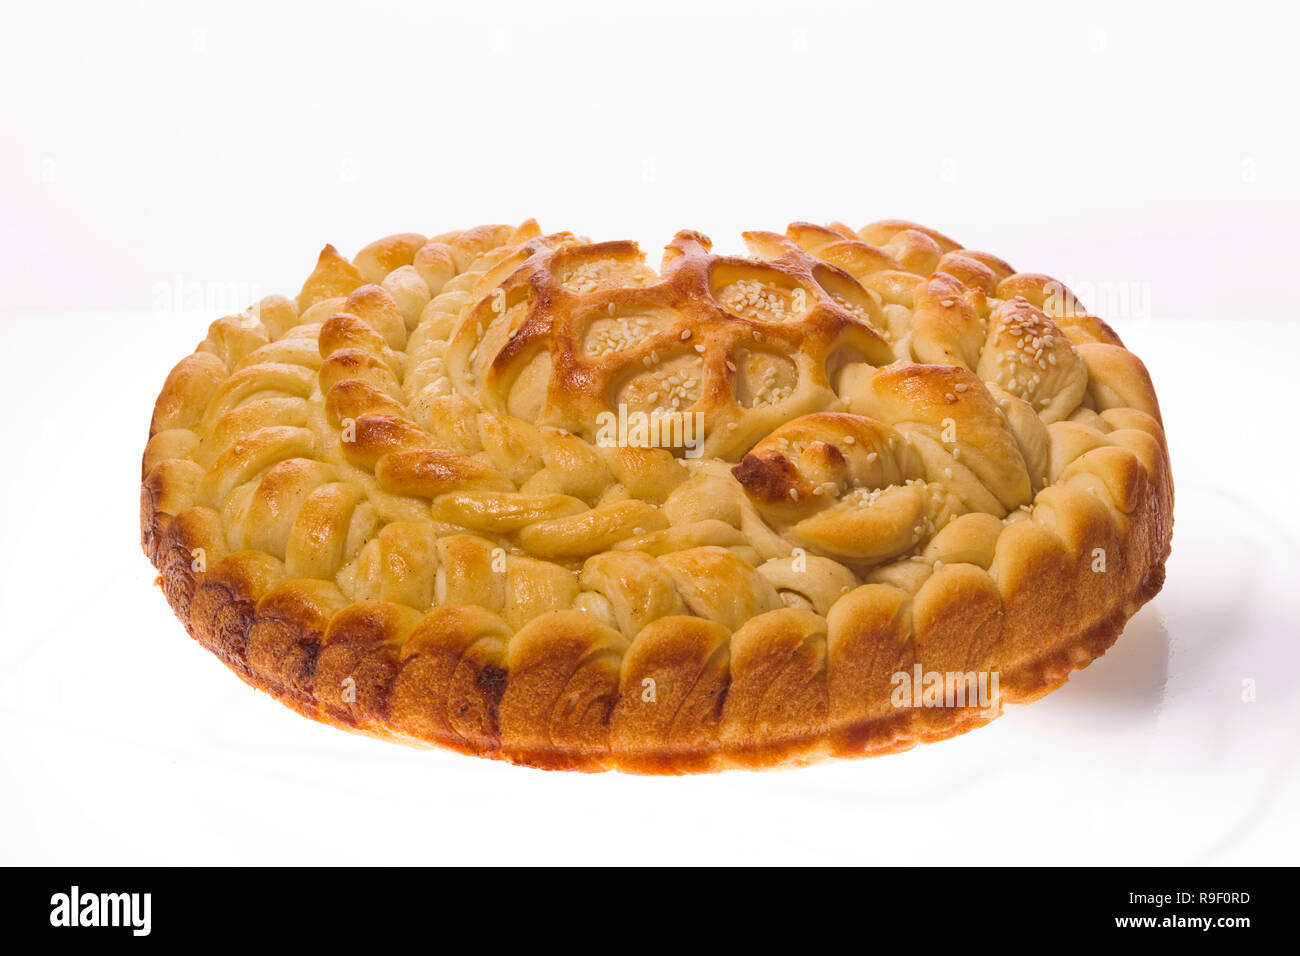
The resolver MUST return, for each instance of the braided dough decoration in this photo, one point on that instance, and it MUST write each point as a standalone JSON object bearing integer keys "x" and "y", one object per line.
{"x": 393, "y": 502}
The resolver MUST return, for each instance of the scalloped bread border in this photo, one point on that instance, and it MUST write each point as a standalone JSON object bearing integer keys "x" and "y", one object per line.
{"x": 226, "y": 630}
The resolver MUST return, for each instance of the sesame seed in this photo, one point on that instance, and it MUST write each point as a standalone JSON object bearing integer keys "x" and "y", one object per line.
{"x": 754, "y": 300}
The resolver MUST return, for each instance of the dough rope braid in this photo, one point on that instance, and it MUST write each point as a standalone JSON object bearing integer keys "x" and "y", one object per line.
{"x": 391, "y": 501}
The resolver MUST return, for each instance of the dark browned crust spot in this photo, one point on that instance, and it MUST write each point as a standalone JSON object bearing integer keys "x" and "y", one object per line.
{"x": 767, "y": 478}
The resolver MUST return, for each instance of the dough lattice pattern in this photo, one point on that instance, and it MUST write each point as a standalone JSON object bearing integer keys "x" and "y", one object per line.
{"x": 392, "y": 501}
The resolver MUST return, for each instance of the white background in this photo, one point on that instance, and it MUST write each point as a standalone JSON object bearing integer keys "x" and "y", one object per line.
{"x": 159, "y": 168}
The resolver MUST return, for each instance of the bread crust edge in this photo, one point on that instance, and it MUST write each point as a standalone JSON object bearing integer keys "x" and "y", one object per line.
{"x": 220, "y": 609}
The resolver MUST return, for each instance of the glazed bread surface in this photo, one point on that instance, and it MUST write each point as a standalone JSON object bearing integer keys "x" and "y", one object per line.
{"x": 523, "y": 496}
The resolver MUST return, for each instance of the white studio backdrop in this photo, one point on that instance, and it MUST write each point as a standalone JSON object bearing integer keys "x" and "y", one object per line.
{"x": 162, "y": 166}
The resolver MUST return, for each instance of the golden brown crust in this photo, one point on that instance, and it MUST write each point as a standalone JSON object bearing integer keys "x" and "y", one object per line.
{"x": 387, "y": 553}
